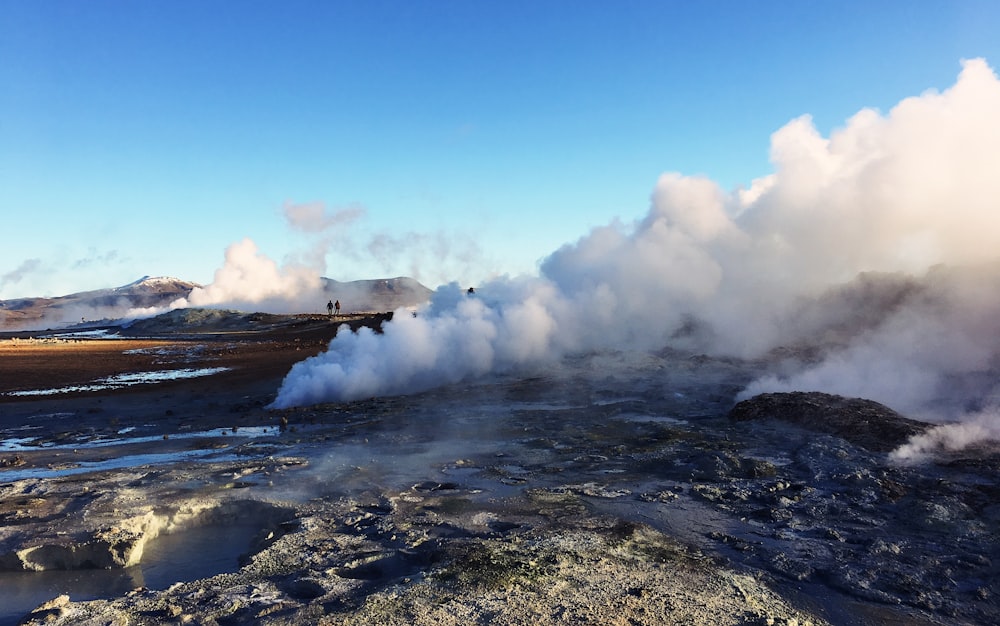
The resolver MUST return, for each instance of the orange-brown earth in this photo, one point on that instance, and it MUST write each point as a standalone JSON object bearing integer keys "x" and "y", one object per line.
{"x": 38, "y": 363}
{"x": 257, "y": 361}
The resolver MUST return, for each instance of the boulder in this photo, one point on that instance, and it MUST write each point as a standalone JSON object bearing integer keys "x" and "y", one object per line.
{"x": 864, "y": 423}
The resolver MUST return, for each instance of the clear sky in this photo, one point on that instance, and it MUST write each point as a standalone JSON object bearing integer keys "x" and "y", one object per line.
{"x": 445, "y": 140}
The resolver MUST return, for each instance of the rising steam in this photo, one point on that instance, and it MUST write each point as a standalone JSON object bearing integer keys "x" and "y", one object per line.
{"x": 875, "y": 246}
{"x": 251, "y": 280}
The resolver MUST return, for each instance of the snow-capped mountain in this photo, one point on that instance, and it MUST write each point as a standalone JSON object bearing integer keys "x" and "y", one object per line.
{"x": 156, "y": 285}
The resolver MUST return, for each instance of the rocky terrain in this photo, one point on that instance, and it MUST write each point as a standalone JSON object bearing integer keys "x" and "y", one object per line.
{"x": 616, "y": 488}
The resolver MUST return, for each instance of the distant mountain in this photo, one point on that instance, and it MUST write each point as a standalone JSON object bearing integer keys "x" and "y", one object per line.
{"x": 147, "y": 292}
{"x": 159, "y": 292}
{"x": 155, "y": 287}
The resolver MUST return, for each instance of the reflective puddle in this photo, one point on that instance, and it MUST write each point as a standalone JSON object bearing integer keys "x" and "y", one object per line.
{"x": 125, "y": 380}
{"x": 24, "y": 444}
{"x": 27, "y": 444}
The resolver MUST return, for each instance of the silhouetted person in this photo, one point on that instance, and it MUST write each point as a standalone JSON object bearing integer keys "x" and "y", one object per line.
{"x": 336, "y": 306}
{"x": 329, "y": 308}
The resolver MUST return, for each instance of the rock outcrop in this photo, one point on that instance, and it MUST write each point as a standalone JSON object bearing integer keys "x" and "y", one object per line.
{"x": 862, "y": 422}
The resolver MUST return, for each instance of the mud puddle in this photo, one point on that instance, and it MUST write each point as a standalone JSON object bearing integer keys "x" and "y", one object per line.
{"x": 193, "y": 554}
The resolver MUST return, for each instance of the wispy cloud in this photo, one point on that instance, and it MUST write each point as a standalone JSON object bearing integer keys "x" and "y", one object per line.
{"x": 316, "y": 217}
{"x": 98, "y": 259}
{"x": 22, "y": 271}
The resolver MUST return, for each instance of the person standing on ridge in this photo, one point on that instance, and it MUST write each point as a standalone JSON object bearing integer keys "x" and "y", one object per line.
{"x": 336, "y": 306}
{"x": 329, "y": 308}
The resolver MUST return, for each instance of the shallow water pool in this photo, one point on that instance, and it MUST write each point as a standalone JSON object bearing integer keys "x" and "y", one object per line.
{"x": 192, "y": 554}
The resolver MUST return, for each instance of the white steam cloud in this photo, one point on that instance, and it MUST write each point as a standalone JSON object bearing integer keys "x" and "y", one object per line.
{"x": 975, "y": 429}
{"x": 251, "y": 280}
{"x": 877, "y": 246}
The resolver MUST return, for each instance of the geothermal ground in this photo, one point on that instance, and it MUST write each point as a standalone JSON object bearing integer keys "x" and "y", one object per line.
{"x": 144, "y": 480}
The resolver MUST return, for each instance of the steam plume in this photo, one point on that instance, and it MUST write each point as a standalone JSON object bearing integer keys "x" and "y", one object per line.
{"x": 899, "y": 213}
{"x": 976, "y": 428}
{"x": 251, "y": 280}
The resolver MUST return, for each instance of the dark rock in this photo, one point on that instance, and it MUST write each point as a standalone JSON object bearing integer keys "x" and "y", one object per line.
{"x": 864, "y": 423}
{"x": 304, "y": 587}
{"x": 715, "y": 467}
{"x": 756, "y": 468}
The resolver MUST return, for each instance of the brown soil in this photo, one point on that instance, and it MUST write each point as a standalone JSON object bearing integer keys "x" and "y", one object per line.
{"x": 54, "y": 363}
{"x": 257, "y": 362}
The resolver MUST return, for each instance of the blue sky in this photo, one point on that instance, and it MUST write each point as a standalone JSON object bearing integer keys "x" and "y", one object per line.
{"x": 470, "y": 138}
